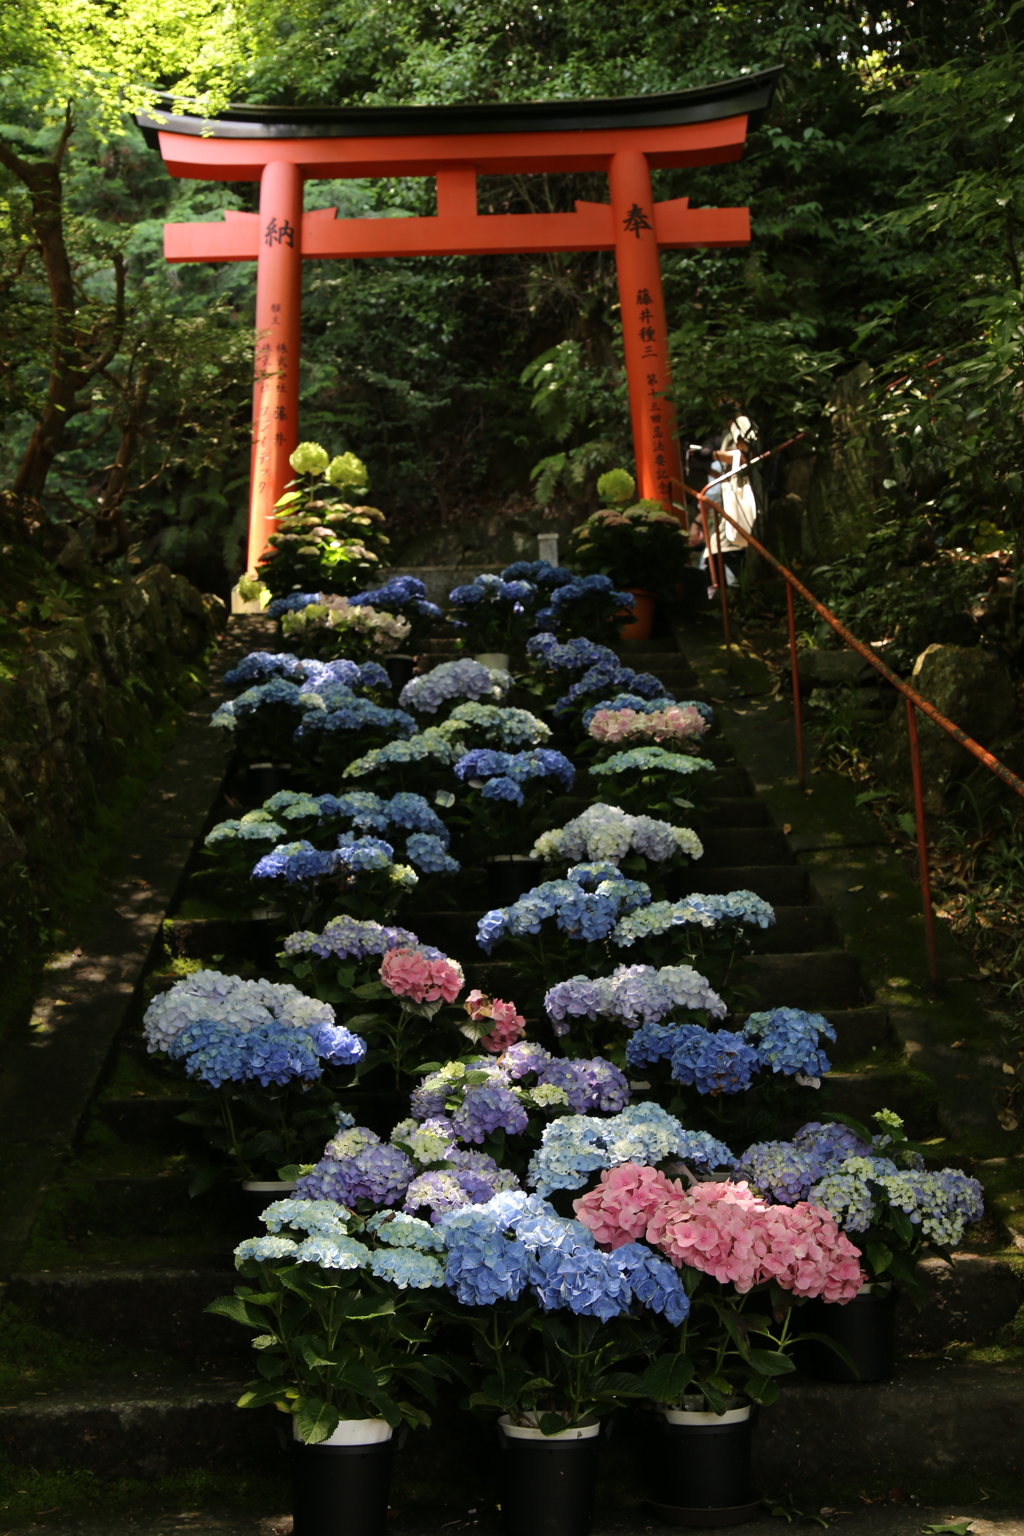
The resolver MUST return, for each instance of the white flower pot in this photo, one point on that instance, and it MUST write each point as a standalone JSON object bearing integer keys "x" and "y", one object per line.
{"x": 354, "y": 1432}
{"x": 531, "y": 1432}
{"x": 495, "y": 661}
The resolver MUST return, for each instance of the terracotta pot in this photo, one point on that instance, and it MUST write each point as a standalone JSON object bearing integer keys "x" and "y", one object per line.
{"x": 640, "y": 625}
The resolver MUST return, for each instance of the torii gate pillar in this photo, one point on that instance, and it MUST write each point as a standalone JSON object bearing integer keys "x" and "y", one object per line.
{"x": 275, "y": 397}
{"x": 644, "y": 327}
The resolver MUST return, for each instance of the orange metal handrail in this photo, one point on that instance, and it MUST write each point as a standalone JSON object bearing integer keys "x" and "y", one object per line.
{"x": 914, "y": 701}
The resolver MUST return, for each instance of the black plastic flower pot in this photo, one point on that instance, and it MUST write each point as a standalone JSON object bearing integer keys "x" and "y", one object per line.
{"x": 255, "y": 1195}
{"x": 865, "y": 1327}
{"x": 341, "y": 1490}
{"x": 547, "y": 1485}
{"x": 265, "y": 779}
{"x": 509, "y": 876}
{"x": 704, "y": 1465}
{"x": 399, "y": 669}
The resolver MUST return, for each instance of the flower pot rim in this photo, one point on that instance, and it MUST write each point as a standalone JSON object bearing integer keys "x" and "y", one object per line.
{"x": 512, "y": 858}
{"x": 267, "y": 1186}
{"x": 698, "y": 1418}
{"x": 531, "y": 1432}
{"x": 352, "y": 1432}
{"x": 494, "y": 661}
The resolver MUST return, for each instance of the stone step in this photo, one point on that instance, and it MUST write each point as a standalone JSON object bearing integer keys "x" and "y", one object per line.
{"x": 163, "y": 1309}
{"x": 726, "y": 846}
{"x": 858, "y": 1032}
{"x": 816, "y": 980}
{"x": 795, "y": 929}
{"x": 783, "y": 885}
{"x": 142, "y": 1427}
{"x": 724, "y": 811}
{"x": 935, "y": 1420}
{"x": 730, "y": 782}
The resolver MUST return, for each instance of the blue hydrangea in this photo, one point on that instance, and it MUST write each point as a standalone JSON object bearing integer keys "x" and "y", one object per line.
{"x": 580, "y": 914}
{"x": 541, "y": 573}
{"x": 407, "y": 1269}
{"x": 428, "y": 854}
{"x": 293, "y": 603}
{"x": 226, "y": 1029}
{"x": 652, "y": 760}
{"x": 260, "y": 666}
{"x": 577, "y": 655}
{"x": 574, "y": 1147}
{"x": 714, "y": 1062}
{"x": 654, "y": 1282}
{"x": 830, "y": 1144}
{"x": 788, "y": 1040}
{"x": 607, "y": 677}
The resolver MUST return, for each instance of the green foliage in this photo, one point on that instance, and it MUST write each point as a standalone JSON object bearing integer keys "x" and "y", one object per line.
{"x": 334, "y": 1344}
{"x": 905, "y": 588}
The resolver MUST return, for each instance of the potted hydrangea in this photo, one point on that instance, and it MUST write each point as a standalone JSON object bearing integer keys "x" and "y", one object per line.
{"x": 643, "y": 547}
{"x": 255, "y": 1054}
{"x": 492, "y": 617}
{"x": 878, "y": 1190}
{"x": 321, "y": 542}
{"x": 343, "y": 1311}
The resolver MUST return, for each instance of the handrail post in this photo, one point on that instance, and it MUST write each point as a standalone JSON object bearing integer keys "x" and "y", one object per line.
{"x": 797, "y": 717}
{"x": 922, "y": 843}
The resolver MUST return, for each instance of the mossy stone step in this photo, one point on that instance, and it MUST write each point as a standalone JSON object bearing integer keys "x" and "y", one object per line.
{"x": 795, "y": 929}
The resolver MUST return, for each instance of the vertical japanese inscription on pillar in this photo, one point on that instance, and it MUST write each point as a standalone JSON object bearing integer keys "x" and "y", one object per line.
{"x": 653, "y": 346}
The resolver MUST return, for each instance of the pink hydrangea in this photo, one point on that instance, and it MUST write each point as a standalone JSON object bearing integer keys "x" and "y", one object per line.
{"x": 509, "y": 1026}
{"x": 677, "y": 724}
{"x": 619, "y": 1210}
{"x": 410, "y": 973}
{"x": 728, "y": 1232}
{"x": 613, "y": 724}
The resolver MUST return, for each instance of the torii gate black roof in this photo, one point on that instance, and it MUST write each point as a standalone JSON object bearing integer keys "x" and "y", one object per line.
{"x": 750, "y": 94}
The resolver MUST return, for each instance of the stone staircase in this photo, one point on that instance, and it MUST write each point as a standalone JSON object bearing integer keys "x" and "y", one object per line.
{"x": 121, "y": 1263}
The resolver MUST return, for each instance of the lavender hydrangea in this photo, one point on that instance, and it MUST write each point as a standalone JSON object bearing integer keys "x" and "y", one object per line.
{"x": 379, "y": 1173}
{"x": 347, "y": 938}
{"x": 633, "y": 994}
{"x": 453, "y": 680}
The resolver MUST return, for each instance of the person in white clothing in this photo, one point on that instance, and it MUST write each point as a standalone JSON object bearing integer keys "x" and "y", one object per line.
{"x": 735, "y": 496}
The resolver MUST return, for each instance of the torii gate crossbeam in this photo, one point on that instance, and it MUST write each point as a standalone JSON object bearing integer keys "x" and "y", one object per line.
{"x": 624, "y": 137}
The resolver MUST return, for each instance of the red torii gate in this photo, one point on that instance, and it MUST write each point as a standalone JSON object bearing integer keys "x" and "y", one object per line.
{"x": 625, "y": 137}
